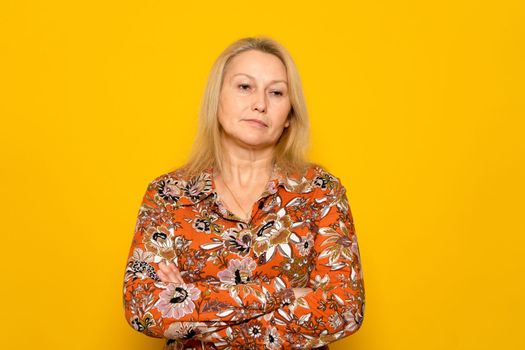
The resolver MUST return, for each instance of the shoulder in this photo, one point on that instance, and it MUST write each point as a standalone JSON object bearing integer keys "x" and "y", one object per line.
{"x": 330, "y": 191}
{"x": 316, "y": 180}
{"x": 175, "y": 175}
{"x": 175, "y": 187}
{"x": 325, "y": 179}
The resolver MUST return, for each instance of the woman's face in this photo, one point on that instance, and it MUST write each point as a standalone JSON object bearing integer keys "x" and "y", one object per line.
{"x": 254, "y": 101}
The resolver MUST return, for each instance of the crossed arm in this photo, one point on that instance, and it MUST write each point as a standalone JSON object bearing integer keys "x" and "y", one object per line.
{"x": 170, "y": 273}
{"x": 331, "y": 309}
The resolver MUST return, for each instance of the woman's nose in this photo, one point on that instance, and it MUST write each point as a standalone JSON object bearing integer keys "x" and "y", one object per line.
{"x": 260, "y": 102}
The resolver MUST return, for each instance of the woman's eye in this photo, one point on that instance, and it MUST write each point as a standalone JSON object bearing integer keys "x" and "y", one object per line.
{"x": 247, "y": 86}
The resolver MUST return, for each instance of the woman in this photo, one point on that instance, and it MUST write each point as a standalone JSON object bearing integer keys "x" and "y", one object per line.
{"x": 248, "y": 245}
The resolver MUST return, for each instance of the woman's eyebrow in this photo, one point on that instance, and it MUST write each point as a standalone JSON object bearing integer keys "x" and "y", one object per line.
{"x": 271, "y": 82}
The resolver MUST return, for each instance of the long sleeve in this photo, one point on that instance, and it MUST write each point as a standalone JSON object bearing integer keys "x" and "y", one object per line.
{"x": 335, "y": 308}
{"x": 151, "y": 306}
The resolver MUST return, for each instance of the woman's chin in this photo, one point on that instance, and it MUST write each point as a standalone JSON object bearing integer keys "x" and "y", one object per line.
{"x": 256, "y": 142}
{"x": 249, "y": 138}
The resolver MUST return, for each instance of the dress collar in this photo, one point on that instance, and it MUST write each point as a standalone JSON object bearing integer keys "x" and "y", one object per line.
{"x": 198, "y": 187}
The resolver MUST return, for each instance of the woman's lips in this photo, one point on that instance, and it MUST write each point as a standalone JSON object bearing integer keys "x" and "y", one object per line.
{"x": 256, "y": 122}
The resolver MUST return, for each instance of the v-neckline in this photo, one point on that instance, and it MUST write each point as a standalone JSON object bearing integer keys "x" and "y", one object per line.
{"x": 272, "y": 181}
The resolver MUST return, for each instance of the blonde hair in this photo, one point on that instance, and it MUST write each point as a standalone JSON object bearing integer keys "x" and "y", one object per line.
{"x": 292, "y": 146}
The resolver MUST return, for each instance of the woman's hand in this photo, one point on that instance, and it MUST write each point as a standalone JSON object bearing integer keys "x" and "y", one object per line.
{"x": 299, "y": 292}
{"x": 169, "y": 273}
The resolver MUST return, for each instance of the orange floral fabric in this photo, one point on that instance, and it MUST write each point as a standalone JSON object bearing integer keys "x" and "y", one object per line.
{"x": 239, "y": 275}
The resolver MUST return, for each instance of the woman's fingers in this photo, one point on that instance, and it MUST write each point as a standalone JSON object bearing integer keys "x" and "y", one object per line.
{"x": 170, "y": 273}
{"x": 166, "y": 272}
{"x": 300, "y": 292}
{"x": 162, "y": 276}
{"x": 177, "y": 273}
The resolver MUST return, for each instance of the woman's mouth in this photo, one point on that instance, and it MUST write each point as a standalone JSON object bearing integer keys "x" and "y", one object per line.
{"x": 256, "y": 122}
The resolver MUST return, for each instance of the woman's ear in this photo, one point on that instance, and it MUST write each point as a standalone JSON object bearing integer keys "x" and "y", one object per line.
{"x": 287, "y": 124}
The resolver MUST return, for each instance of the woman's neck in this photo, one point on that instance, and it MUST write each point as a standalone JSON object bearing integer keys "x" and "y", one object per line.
{"x": 245, "y": 167}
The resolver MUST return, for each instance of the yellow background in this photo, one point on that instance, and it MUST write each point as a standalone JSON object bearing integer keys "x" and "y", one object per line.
{"x": 418, "y": 106}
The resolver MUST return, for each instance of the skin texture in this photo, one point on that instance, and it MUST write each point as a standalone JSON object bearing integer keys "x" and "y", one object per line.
{"x": 254, "y": 87}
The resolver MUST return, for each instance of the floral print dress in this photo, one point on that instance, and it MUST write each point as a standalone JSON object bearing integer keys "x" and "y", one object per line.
{"x": 238, "y": 276}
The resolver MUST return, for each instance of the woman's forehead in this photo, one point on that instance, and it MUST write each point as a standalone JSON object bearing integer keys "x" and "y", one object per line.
{"x": 254, "y": 65}
{"x": 252, "y": 77}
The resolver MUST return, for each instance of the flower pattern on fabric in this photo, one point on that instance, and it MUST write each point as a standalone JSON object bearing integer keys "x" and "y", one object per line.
{"x": 238, "y": 239}
{"x": 177, "y": 300}
{"x": 238, "y": 276}
{"x": 238, "y": 272}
